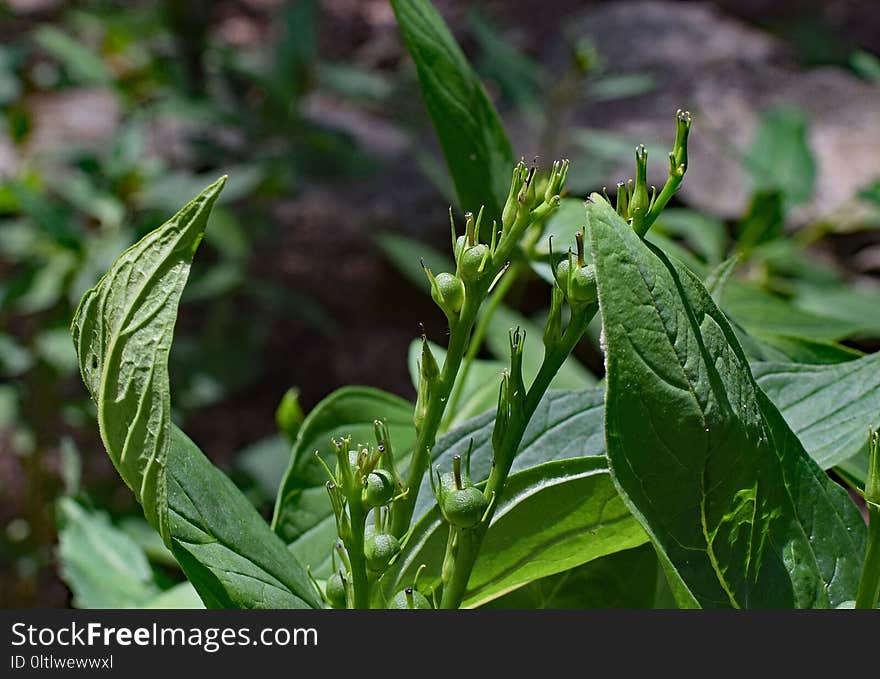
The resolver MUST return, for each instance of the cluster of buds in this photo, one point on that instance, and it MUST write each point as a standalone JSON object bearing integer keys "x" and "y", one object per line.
{"x": 365, "y": 477}
{"x": 479, "y": 264}
{"x": 635, "y": 201}
{"x": 462, "y": 504}
{"x": 511, "y": 394}
{"x": 429, "y": 376}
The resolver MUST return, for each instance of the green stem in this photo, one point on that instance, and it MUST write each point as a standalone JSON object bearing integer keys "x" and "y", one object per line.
{"x": 869, "y": 584}
{"x": 355, "y": 549}
{"x": 495, "y": 300}
{"x": 470, "y": 541}
{"x": 458, "y": 340}
{"x": 665, "y": 195}
{"x": 459, "y": 335}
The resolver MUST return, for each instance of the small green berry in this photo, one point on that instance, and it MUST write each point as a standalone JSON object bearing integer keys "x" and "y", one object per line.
{"x": 465, "y": 507}
{"x": 379, "y": 488}
{"x": 335, "y": 590}
{"x": 410, "y": 598}
{"x": 471, "y": 261}
{"x": 379, "y": 549}
{"x": 448, "y": 292}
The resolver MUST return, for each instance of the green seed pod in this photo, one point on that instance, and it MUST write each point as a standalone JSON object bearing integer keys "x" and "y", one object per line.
{"x": 410, "y": 598}
{"x": 461, "y": 503}
{"x": 379, "y": 488}
{"x": 582, "y": 285}
{"x": 448, "y": 292}
{"x": 379, "y": 549}
{"x": 576, "y": 278}
{"x": 471, "y": 261}
{"x": 335, "y": 590}
{"x": 464, "y": 508}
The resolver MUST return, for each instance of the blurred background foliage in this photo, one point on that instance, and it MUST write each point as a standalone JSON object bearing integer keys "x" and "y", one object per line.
{"x": 113, "y": 114}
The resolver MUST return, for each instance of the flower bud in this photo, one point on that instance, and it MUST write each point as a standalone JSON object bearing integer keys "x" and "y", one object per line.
{"x": 410, "y": 598}
{"x": 379, "y": 550}
{"x": 334, "y": 590}
{"x": 378, "y": 488}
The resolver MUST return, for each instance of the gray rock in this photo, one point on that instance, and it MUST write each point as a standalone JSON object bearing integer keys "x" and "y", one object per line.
{"x": 726, "y": 73}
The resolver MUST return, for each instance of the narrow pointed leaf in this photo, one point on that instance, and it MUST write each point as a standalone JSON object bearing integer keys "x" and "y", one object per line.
{"x": 122, "y": 332}
{"x": 477, "y": 150}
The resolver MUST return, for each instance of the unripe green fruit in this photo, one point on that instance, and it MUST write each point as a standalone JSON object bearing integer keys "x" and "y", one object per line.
{"x": 401, "y": 600}
{"x": 448, "y": 292}
{"x": 471, "y": 259}
{"x": 579, "y": 285}
{"x": 460, "y": 245}
{"x": 379, "y": 549}
{"x": 335, "y": 590}
{"x": 379, "y": 489}
{"x": 582, "y": 285}
{"x": 464, "y": 508}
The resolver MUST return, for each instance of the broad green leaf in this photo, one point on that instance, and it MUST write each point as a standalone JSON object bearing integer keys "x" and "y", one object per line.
{"x": 851, "y": 304}
{"x": 627, "y": 579}
{"x": 559, "y": 509}
{"x": 705, "y": 234}
{"x": 477, "y": 150}
{"x": 122, "y": 332}
{"x": 103, "y": 566}
{"x": 739, "y": 512}
{"x": 302, "y": 505}
{"x": 223, "y": 545}
{"x": 762, "y": 312}
{"x": 829, "y": 407}
{"x": 781, "y": 348}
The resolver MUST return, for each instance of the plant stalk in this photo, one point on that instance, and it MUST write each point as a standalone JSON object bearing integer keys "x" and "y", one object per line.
{"x": 471, "y": 540}
{"x": 355, "y": 548}
{"x": 869, "y": 583}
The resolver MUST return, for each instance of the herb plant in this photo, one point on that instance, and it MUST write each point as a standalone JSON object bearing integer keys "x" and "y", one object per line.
{"x": 682, "y": 462}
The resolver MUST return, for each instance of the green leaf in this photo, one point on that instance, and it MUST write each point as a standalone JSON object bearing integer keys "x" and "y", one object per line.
{"x": 761, "y": 312}
{"x": 302, "y": 505}
{"x": 627, "y": 579}
{"x": 829, "y": 407}
{"x": 739, "y": 512}
{"x": 857, "y": 305}
{"x": 780, "y": 157}
{"x": 764, "y": 221}
{"x": 705, "y": 234}
{"x": 103, "y": 566}
{"x": 781, "y": 348}
{"x": 122, "y": 332}
{"x": 477, "y": 150}
{"x": 559, "y": 509}
{"x": 223, "y": 545}
{"x": 106, "y": 568}
{"x": 82, "y": 64}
